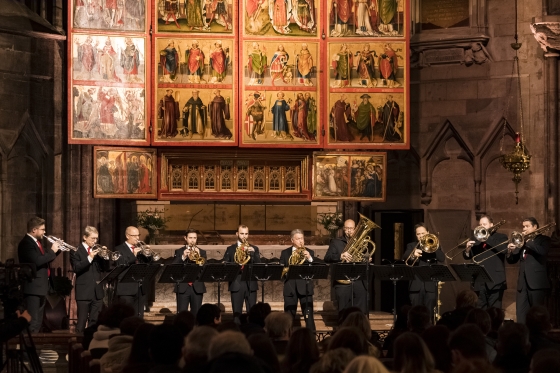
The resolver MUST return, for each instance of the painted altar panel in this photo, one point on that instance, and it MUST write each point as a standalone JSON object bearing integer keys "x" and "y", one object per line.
{"x": 273, "y": 18}
{"x": 196, "y": 16}
{"x": 109, "y": 15}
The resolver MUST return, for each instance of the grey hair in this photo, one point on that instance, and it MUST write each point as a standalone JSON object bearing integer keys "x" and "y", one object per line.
{"x": 294, "y": 232}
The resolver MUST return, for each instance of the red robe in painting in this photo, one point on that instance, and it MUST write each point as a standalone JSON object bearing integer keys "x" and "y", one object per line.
{"x": 343, "y": 11}
{"x": 339, "y": 113}
{"x": 144, "y": 179}
{"x": 389, "y": 65}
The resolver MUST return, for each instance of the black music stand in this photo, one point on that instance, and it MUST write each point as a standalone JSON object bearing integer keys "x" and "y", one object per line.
{"x": 308, "y": 272}
{"x": 393, "y": 272}
{"x": 265, "y": 272}
{"x": 110, "y": 278}
{"x": 434, "y": 272}
{"x": 219, "y": 272}
{"x": 472, "y": 273}
{"x": 350, "y": 272}
{"x": 179, "y": 273}
{"x": 140, "y": 273}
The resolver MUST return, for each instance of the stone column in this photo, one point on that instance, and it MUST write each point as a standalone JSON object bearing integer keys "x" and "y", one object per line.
{"x": 551, "y": 112}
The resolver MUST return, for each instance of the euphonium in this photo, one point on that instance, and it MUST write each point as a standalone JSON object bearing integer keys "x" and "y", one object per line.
{"x": 358, "y": 245}
{"x": 428, "y": 244}
{"x": 241, "y": 255}
{"x": 297, "y": 257}
{"x": 106, "y": 254}
{"x": 147, "y": 251}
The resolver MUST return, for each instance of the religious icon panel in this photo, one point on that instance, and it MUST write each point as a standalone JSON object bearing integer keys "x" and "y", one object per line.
{"x": 292, "y": 18}
{"x": 109, "y": 15}
{"x": 196, "y": 16}
{"x": 124, "y": 172}
{"x": 349, "y": 176}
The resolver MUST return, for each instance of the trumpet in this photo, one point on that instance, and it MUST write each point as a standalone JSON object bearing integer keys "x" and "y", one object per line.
{"x": 194, "y": 256}
{"x": 480, "y": 233}
{"x": 242, "y": 255}
{"x": 516, "y": 238}
{"x": 147, "y": 251}
{"x": 428, "y": 244}
{"x": 297, "y": 257}
{"x": 63, "y": 245}
{"x": 105, "y": 253}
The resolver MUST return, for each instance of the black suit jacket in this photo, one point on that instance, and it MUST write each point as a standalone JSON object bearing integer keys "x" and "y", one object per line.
{"x": 229, "y": 256}
{"x": 28, "y": 252}
{"x": 494, "y": 265}
{"x": 424, "y": 260}
{"x": 198, "y": 286}
{"x": 88, "y": 274}
{"x": 336, "y": 247}
{"x": 127, "y": 258}
{"x": 533, "y": 267}
{"x": 291, "y": 286}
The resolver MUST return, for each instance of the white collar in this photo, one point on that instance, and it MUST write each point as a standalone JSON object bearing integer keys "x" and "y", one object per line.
{"x": 34, "y": 239}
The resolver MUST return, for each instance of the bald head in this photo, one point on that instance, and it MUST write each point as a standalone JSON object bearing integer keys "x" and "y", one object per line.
{"x": 349, "y": 226}
{"x": 132, "y": 235}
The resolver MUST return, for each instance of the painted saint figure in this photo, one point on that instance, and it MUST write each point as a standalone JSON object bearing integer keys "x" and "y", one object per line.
{"x": 254, "y": 116}
{"x": 169, "y": 60}
{"x": 195, "y": 62}
{"x": 144, "y": 176}
{"x": 390, "y": 116}
{"x": 107, "y": 105}
{"x": 364, "y": 115}
{"x": 279, "y": 118}
{"x": 280, "y": 12}
{"x": 388, "y": 67}
{"x": 304, "y": 15}
{"x": 169, "y": 114}
{"x": 256, "y": 65}
{"x": 219, "y": 62}
{"x": 299, "y": 118}
{"x": 218, "y": 10}
{"x": 87, "y": 55}
{"x": 311, "y": 114}
{"x": 194, "y": 112}
{"x": 107, "y": 62}
{"x": 304, "y": 66}
{"x": 193, "y": 14}
{"x": 130, "y": 61}
{"x": 366, "y": 67}
{"x": 366, "y": 17}
{"x": 278, "y": 65}
{"x": 218, "y": 109}
{"x": 340, "y": 113}
{"x": 341, "y": 15}
{"x": 387, "y": 12}
{"x": 171, "y": 10}
{"x": 342, "y": 63}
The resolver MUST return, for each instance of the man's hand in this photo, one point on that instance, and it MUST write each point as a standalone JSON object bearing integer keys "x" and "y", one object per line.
{"x": 55, "y": 247}
{"x": 469, "y": 246}
{"x": 137, "y": 250}
{"x": 307, "y": 255}
{"x": 511, "y": 247}
{"x": 346, "y": 256}
{"x": 251, "y": 249}
{"x": 93, "y": 253}
{"x": 24, "y": 314}
{"x": 417, "y": 253}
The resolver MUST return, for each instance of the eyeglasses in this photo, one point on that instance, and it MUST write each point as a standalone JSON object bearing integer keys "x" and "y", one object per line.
{"x": 134, "y": 235}
{"x": 348, "y": 228}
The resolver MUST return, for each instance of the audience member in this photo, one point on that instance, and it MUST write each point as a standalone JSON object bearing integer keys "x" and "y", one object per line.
{"x": 467, "y": 344}
{"x": 546, "y": 361}
{"x": 228, "y": 341}
{"x": 302, "y": 352}
{"x": 538, "y": 323}
{"x": 360, "y": 321}
{"x": 497, "y": 316}
{"x": 436, "y": 338}
{"x": 184, "y": 322}
{"x": 108, "y": 321}
{"x": 139, "y": 360}
{"x": 351, "y": 338}
{"x": 480, "y": 318}
{"x": 255, "y": 319}
{"x": 513, "y": 348}
{"x": 418, "y": 319}
{"x": 412, "y": 355}
{"x": 165, "y": 344}
{"x": 365, "y": 364}
{"x": 120, "y": 345}
{"x": 228, "y": 326}
{"x": 278, "y": 327}
{"x": 235, "y": 362}
{"x": 263, "y": 349}
{"x": 333, "y": 361}
{"x": 401, "y": 326}
{"x": 208, "y": 315}
{"x": 195, "y": 350}
{"x": 465, "y": 301}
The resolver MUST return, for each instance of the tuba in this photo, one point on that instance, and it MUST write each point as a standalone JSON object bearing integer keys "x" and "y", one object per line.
{"x": 147, "y": 251}
{"x": 194, "y": 256}
{"x": 241, "y": 255}
{"x": 428, "y": 244}
{"x": 106, "y": 254}
{"x": 297, "y": 257}
{"x": 358, "y": 245}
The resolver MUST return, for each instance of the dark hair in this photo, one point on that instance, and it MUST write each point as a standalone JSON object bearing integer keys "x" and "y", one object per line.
{"x": 263, "y": 349}
{"x": 34, "y": 222}
{"x": 469, "y": 341}
{"x": 487, "y": 217}
{"x": 191, "y": 230}
{"x": 497, "y": 316}
{"x": 436, "y": 338}
{"x": 402, "y": 318}
{"x": 333, "y": 361}
{"x": 166, "y": 343}
{"x": 129, "y": 325}
{"x": 184, "y": 322}
{"x": 360, "y": 321}
{"x": 466, "y": 298}
{"x": 513, "y": 338}
{"x": 228, "y": 325}
{"x": 532, "y": 220}
{"x": 207, "y": 313}
{"x": 420, "y": 225}
{"x": 301, "y": 352}
{"x": 139, "y": 352}
{"x": 538, "y": 319}
{"x": 258, "y": 313}
{"x": 546, "y": 361}
{"x": 480, "y": 318}
{"x": 343, "y": 314}
{"x": 115, "y": 314}
{"x": 418, "y": 318}
{"x": 349, "y": 337}
{"x": 412, "y": 355}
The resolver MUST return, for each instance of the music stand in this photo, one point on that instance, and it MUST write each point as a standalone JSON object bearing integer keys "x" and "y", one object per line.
{"x": 179, "y": 273}
{"x": 393, "y": 272}
{"x": 111, "y": 277}
{"x": 349, "y": 272}
{"x": 308, "y": 272}
{"x": 219, "y": 272}
{"x": 265, "y": 272}
{"x": 472, "y": 273}
{"x": 140, "y": 273}
{"x": 435, "y": 272}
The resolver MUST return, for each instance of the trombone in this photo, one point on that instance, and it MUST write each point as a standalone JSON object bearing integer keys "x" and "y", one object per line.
{"x": 428, "y": 244}
{"x": 516, "y": 238}
{"x": 480, "y": 233}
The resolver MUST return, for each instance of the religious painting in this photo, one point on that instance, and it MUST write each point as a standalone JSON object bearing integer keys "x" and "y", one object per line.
{"x": 292, "y": 18}
{"x": 367, "y": 18}
{"x": 109, "y": 15}
{"x": 195, "y": 61}
{"x": 194, "y": 116}
{"x": 196, "y": 16}
{"x": 124, "y": 172}
{"x": 108, "y": 59}
{"x": 344, "y": 176}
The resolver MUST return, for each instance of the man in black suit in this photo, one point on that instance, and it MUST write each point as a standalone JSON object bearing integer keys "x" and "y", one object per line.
{"x": 294, "y": 290}
{"x": 423, "y": 293}
{"x": 343, "y": 292}
{"x": 532, "y": 281}
{"x": 190, "y": 293}
{"x": 88, "y": 268}
{"x": 131, "y": 253}
{"x": 246, "y": 291}
{"x": 489, "y": 293}
{"x": 31, "y": 250}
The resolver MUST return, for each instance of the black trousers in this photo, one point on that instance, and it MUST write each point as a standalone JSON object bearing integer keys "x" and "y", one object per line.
{"x": 244, "y": 295}
{"x": 290, "y": 305}
{"x": 527, "y": 298}
{"x": 88, "y": 311}
{"x": 345, "y": 295}
{"x": 490, "y": 297}
{"x": 424, "y": 298}
{"x": 35, "y": 305}
{"x": 137, "y": 302}
{"x": 189, "y": 298}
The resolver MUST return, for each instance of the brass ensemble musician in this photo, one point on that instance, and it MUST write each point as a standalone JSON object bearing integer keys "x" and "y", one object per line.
{"x": 189, "y": 294}
{"x": 131, "y": 253}
{"x": 32, "y": 250}
{"x": 246, "y": 291}
{"x": 489, "y": 293}
{"x": 294, "y": 290}
{"x": 423, "y": 293}
{"x": 88, "y": 268}
{"x": 532, "y": 281}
